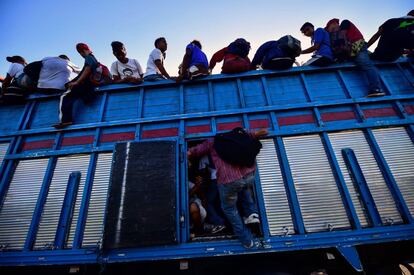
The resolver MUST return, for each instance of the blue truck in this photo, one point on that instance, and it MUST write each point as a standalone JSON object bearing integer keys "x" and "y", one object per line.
{"x": 334, "y": 184}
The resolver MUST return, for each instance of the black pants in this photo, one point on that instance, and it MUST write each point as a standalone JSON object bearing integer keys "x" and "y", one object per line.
{"x": 49, "y": 91}
{"x": 282, "y": 63}
{"x": 321, "y": 61}
{"x": 84, "y": 91}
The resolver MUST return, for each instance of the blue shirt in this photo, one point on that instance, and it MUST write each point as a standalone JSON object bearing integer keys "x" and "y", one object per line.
{"x": 197, "y": 56}
{"x": 321, "y": 37}
{"x": 267, "y": 52}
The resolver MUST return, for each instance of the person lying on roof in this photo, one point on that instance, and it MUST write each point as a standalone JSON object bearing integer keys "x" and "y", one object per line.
{"x": 395, "y": 36}
{"x": 55, "y": 72}
{"x": 234, "y": 56}
{"x": 277, "y": 55}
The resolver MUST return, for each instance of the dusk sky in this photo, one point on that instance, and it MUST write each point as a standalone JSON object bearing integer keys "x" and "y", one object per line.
{"x": 39, "y": 28}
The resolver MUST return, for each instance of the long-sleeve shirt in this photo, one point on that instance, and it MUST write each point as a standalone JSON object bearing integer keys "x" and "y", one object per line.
{"x": 267, "y": 52}
{"x": 226, "y": 172}
{"x": 221, "y": 55}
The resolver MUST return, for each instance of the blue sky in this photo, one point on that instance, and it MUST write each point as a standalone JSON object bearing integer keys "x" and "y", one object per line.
{"x": 38, "y": 28}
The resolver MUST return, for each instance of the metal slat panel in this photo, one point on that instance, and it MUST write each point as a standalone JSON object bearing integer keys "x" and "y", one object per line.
{"x": 53, "y": 206}
{"x": 383, "y": 199}
{"x": 398, "y": 151}
{"x": 274, "y": 191}
{"x": 94, "y": 222}
{"x": 3, "y": 151}
{"x": 319, "y": 198}
{"x": 20, "y": 202}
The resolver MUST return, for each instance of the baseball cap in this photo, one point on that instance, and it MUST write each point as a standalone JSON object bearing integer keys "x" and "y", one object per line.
{"x": 15, "y": 58}
{"x": 82, "y": 47}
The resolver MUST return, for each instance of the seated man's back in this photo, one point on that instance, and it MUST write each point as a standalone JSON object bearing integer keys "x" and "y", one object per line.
{"x": 55, "y": 73}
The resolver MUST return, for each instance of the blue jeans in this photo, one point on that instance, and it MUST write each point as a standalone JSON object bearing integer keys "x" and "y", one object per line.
{"x": 154, "y": 77}
{"x": 229, "y": 194}
{"x": 214, "y": 212}
{"x": 364, "y": 62}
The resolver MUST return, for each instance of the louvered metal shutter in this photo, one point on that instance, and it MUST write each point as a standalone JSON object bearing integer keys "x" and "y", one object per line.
{"x": 319, "y": 198}
{"x": 383, "y": 199}
{"x": 3, "y": 151}
{"x": 20, "y": 202}
{"x": 274, "y": 191}
{"x": 53, "y": 206}
{"x": 398, "y": 151}
{"x": 96, "y": 211}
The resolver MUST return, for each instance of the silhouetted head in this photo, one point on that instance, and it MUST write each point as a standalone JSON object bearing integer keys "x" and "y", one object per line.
{"x": 196, "y": 43}
{"x": 161, "y": 44}
{"x": 119, "y": 51}
{"x": 307, "y": 29}
{"x": 332, "y": 25}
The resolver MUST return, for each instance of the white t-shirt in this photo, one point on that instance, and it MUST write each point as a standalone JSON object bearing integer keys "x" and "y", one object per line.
{"x": 55, "y": 73}
{"x": 131, "y": 68}
{"x": 156, "y": 54}
{"x": 15, "y": 70}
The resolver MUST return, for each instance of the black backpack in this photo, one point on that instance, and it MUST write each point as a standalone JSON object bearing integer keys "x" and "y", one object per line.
{"x": 239, "y": 47}
{"x": 237, "y": 147}
{"x": 290, "y": 46}
{"x": 340, "y": 45}
{"x": 32, "y": 70}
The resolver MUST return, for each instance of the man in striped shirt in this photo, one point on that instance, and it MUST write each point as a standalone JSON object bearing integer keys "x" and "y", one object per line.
{"x": 233, "y": 184}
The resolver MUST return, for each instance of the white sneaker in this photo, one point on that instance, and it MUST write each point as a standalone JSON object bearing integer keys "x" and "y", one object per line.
{"x": 253, "y": 218}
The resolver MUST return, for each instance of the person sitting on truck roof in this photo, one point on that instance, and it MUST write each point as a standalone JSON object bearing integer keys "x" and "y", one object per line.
{"x": 320, "y": 46}
{"x": 234, "y": 56}
{"x": 125, "y": 70}
{"x": 14, "y": 72}
{"x": 276, "y": 55}
{"x": 358, "y": 53}
{"x": 195, "y": 62}
{"x": 232, "y": 180}
{"x": 155, "y": 65}
{"x": 394, "y": 35}
{"x": 83, "y": 86}
{"x": 55, "y": 72}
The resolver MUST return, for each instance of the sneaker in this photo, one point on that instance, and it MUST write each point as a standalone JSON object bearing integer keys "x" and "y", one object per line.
{"x": 61, "y": 125}
{"x": 218, "y": 228}
{"x": 375, "y": 93}
{"x": 249, "y": 245}
{"x": 196, "y": 75}
{"x": 212, "y": 228}
{"x": 253, "y": 218}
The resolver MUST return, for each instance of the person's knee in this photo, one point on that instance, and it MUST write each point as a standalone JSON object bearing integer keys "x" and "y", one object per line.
{"x": 194, "y": 208}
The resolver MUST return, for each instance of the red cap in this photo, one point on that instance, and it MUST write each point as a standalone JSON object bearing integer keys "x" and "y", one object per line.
{"x": 333, "y": 20}
{"x": 82, "y": 47}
